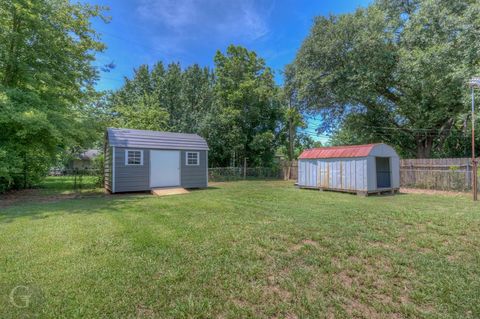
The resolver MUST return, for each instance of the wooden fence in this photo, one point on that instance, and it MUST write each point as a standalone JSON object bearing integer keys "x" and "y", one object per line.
{"x": 221, "y": 174}
{"x": 441, "y": 174}
{"x": 290, "y": 173}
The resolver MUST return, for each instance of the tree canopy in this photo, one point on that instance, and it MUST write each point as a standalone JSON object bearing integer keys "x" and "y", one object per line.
{"x": 235, "y": 106}
{"x": 46, "y": 84}
{"x": 395, "y": 71}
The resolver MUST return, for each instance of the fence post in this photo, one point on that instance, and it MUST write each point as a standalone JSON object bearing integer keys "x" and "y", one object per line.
{"x": 467, "y": 176}
{"x": 245, "y": 168}
{"x": 287, "y": 171}
{"x": 75, "y": 179}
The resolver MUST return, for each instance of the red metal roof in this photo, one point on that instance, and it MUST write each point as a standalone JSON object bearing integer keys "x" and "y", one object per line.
{"x": 338, "y": 151}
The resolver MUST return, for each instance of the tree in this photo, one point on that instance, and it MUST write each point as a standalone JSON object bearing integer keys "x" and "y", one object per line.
{"x": 293, "y": 111}
{"x": 136, "y": 104}
{"x": 46, "y": 81}
{"x": 246, "y": 110}
{"x": 393, "y": 72}
{"x": 162, "y": 99}
{"x": 197, "y": 97}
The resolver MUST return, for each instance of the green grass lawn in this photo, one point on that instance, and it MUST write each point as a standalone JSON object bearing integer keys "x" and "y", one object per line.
{"x": 242, "y": 249}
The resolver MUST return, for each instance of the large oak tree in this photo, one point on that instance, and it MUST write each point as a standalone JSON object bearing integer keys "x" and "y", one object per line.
{"x": 395, "y": 71}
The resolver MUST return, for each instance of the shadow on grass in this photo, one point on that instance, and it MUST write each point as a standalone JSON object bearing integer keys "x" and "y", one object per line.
{"x": 41, "y": 207}
{"x": 93, "y": 204}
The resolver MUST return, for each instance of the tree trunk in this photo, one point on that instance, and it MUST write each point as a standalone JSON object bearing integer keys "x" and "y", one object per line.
{"x": 11, "y": 63}
{"x": 424, "y": 147}
{"x": 291, "y": 138}
{"x": 25, "y": 171}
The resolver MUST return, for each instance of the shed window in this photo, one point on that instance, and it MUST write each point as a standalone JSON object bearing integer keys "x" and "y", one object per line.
{"x": 192, "y": 158}
{"x": 133, "y": 157}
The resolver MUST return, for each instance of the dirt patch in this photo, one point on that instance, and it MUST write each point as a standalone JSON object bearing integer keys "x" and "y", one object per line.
{"x": 452, "y": 258}
{"x": 273, "y": 288}
{"x": 303, "y": 243}
{"x": 277, "y": 291}
{"x": 356, "y": 309}
{"x": 158, "y": 275}
{"x": 430, "y": 192}
{"x": 12, "y": 197}
{"x": 240, "y": 303}
{"x": 145, "y": 312}
{"x": 375, "y": 273}
{"x": 345, "y": 279}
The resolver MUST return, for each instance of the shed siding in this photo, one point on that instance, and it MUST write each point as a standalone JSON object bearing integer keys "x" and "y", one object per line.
{"x": 371, "y": 174}
{"x": 395, "y": 167}
{"x": 308, "y": 175}
{"x": 345, "y": 174}
{"x": 194, "y": 176}
{"x": 301, "y": 173}
{"x": 131, "y": 178}
{"x": 107, "y": 173}
{"x": 383, "y": 150}
{"x": 342, "y": 174}
{"x": 360, "y": 174}
{"x": 322, "y": 180}
{"x": 137, "y": 178}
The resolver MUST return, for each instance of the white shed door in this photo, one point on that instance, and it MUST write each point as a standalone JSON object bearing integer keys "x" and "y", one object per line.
{"x": 164, "y": 168}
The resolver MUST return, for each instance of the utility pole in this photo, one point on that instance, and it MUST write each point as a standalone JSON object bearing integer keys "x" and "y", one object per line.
{"x": 291, "y": 134}
{"x": 474, "y": 160}
{"x": 474, "y": 82}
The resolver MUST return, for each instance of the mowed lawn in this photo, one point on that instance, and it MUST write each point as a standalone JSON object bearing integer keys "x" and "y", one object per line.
{"x": 259, "y": 249}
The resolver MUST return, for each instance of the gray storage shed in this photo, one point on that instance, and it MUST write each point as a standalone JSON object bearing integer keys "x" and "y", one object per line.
{"x": 361, "y": 169}
{"x": 139, "y": 160}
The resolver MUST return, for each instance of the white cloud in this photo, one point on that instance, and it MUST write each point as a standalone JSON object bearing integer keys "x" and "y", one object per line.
{"x": 224, "y": 19}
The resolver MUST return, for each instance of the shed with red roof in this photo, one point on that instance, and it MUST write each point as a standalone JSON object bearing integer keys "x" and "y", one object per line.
{"x": 361, "y": 169}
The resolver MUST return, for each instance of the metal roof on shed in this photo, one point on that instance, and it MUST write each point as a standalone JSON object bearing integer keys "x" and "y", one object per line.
{"x": 120, "y": 137}
{"x": 338, "y": 151}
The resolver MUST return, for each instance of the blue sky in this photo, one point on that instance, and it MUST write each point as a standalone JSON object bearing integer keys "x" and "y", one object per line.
{"x": 191, "y": 31}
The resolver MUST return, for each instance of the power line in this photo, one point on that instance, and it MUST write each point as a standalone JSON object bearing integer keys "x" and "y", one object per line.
{"x": 385, "y": 127}
{"x": 403, "y": 129}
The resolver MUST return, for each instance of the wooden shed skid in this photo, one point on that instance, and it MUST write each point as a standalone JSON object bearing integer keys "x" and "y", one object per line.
{"x": 382, "y": 191}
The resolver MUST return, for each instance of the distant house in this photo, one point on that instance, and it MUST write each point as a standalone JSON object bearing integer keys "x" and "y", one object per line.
{"x": 84, "y": 160}
{"x": 139, "y": 160}
{"x": 362, "y": 169}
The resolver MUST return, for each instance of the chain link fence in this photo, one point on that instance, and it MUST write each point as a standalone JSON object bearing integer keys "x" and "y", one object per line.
{"x": 74, "y": 179}
{"x": 222, "y": 174}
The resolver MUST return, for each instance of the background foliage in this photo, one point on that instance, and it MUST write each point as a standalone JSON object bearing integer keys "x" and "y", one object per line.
{"x": 236, "y": 105}
{"x": 394, "y": 72}
{"x": 46, "y": 84}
